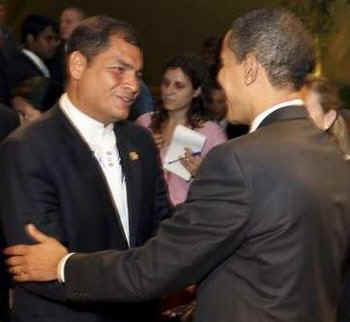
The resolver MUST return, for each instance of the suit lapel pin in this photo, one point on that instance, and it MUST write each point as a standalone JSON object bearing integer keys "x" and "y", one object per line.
{"x": 133, "y": 156}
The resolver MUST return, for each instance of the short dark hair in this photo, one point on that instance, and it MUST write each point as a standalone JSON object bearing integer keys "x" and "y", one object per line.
{"x": 280, "y": 43}
{"x": 92, "y": 35}
{"x": 34, "y": 25}
{"x": 41, "y": 92}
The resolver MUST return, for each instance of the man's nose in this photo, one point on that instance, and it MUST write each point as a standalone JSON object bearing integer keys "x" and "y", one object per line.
{"x": 132, "y": 82}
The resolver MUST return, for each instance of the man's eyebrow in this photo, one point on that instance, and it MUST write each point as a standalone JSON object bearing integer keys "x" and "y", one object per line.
{"x": 127, "y": 65}
{"x": 122, "y": 62}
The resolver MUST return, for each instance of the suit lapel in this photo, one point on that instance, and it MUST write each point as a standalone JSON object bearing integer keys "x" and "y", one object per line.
{"x": 89, "y": 167}
{"x": 285, "y": 114}
{"x": 131, "y": 165}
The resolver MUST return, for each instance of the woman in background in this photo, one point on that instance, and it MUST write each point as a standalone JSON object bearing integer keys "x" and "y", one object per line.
{"x": 325, "y": 109}
{"x": 182, "y": 104}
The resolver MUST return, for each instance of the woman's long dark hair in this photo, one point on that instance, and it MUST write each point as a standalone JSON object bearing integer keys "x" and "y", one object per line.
{"x": 329, "y": 100}
{"x": 196, "y": 71}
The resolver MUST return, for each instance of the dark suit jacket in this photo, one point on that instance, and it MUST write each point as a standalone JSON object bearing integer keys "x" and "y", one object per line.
{"x": 53, "y": 180}
{"x": 264, "y": 232}
{"x": 21, "y": 67}
{"x": 8, "y": 121}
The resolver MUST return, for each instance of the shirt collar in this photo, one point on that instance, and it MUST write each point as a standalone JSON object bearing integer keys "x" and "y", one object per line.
{"x": 94, "y": 132}
{"x": 37, "y": 61}
{"x": 257, "y": 121}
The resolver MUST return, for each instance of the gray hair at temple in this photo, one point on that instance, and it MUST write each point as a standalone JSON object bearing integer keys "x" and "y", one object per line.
{"x": 280, "y": 43}
{"x": 92, "y": 36}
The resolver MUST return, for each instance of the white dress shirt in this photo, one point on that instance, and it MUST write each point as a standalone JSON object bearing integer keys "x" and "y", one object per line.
{"x": 37, "y": 62}
{"x": 258, "y": 119}
{"x": 102, "y": 141}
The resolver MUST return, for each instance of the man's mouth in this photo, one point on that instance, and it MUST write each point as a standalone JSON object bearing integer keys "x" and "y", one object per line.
{"x": 127, "y": 99}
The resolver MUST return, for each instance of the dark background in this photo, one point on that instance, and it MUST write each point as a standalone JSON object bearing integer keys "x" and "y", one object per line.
{"x": 168, "y": 27}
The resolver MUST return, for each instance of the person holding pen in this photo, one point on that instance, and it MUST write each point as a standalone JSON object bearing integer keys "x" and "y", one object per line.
{"x": 182, "y": 104}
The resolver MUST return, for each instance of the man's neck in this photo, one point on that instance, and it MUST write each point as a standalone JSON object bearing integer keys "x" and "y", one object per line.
{"x": 268, "y": 101}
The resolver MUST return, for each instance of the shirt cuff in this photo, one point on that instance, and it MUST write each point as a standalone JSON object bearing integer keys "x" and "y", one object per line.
{"x": 60, "y": 268}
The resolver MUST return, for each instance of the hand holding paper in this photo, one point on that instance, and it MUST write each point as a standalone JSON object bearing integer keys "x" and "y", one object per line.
{"x": 183, "y": 138}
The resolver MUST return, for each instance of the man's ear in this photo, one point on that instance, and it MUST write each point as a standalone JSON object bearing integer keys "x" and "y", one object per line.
{"x": 251, "y": 68}
{"x": 77, "y": 63}
{"x": 329, "y": 119}
{"x": 30, "y": 41}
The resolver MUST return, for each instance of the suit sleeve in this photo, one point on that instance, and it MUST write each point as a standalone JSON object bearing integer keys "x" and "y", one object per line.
{"x": 28, "y": 196}
{"x": 201, "y": 235}
{"x": 4, "y": 285}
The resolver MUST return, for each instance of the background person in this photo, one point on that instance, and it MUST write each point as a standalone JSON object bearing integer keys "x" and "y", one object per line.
{"x": 325, "y": 108}
{"x": 182, "y": 104}
{"x": 35, "y": 96}
{"x": 39, "y": 39}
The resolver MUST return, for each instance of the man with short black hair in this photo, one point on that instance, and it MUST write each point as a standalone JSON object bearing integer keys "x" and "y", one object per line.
{"x": 39, "y": 39}
{"x": 84, "y": 174}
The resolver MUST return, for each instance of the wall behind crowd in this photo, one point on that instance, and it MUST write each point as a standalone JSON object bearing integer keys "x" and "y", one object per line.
{"x": 168, "y": 27}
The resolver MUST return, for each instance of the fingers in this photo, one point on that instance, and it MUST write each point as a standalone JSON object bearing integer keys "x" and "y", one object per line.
{"x": 36, "y": 234}
{"x": 17, "y": 250}
{"x": 188, "y": 152}
{"x": 18, "y": 274}
{"x": 191, "y": 163}
{"x": 23, "y": 277}
{"x": 14, "y": 261}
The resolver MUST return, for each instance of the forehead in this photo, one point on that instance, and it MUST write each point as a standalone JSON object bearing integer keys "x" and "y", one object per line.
{"x": 176, "y": 74}
{"x": 48, "y": 31}
{"x": 71, "y": 14}
{"x": 119, "y": 50}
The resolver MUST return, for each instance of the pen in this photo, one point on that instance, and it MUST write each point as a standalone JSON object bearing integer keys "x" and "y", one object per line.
{"x": 182, "y": 158}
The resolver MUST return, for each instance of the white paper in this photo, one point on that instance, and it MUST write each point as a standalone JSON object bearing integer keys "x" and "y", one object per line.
{"x": 183, "y": 137}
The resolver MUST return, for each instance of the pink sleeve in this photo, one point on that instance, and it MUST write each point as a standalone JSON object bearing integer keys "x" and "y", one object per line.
{"x": 144, "y": 120}
{"x": 214, "y": 136}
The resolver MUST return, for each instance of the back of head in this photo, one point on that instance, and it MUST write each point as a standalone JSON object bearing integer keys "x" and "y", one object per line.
{"x": 279, "y": 42}
{"x": 92, "y": 35}
{"x": 41, "y": 92}
{"x": 34, "y": 25}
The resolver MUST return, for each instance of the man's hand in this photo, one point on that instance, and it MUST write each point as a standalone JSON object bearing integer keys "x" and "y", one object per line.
{"x": 35, "y": 262}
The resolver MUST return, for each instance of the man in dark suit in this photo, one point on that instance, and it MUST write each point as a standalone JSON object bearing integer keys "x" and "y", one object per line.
{"x": 39, "y": 39}
{"x": 265, "y": 230}
{"x": 9, "y": 120}
{"x": 82, "y": 173}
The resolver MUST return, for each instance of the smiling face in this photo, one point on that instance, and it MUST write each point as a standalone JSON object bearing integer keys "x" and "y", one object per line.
{"x": 105, "y": 87}
{"x": 231, "y": 79}
{"x": 177, "y": 91}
